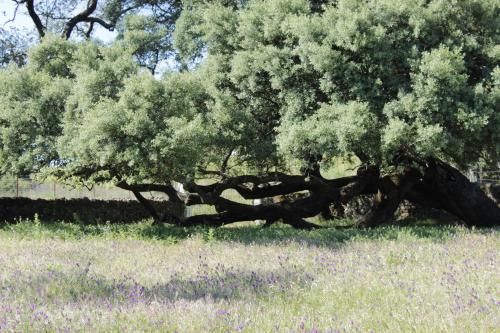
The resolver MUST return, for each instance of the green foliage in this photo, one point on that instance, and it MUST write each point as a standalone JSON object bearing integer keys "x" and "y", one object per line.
{"x": 32, "y": 103}
{"x": 270, "y": 84}
{"x": 89, "y": 113}
{"x": 375, "y": 79}
{"x": 126, "y": 125}
{"x": 149, "y": 41}
{"x": 54, "y": 56}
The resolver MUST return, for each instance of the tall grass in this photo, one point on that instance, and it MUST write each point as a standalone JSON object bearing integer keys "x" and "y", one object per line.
{"x": 141, "y": 278}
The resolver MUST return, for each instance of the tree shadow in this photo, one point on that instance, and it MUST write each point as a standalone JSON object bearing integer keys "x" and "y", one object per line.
{"x": 218, "y": 283}
{"x": 330, "y": 236}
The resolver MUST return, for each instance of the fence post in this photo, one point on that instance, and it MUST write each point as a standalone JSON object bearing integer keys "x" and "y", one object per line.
{"x": 54, "y": 189}
{"x": 17, "y": 187}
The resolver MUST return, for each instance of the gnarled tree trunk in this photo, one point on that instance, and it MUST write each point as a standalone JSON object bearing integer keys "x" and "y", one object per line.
{"x": 439, "y": 186}
{"x": 444, "y": 187}
{"x": 392, "y": 190}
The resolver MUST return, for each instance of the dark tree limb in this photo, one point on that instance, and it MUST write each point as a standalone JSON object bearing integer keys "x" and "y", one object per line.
{"x": 365, "y": 182}
{"x": 316, "y": 196}
{"x": 89, "y": 30}
{"x": 80, "y": 17}
{"x": 13, "y": 15}
{"x": 71, "y": 23}
{"x": 258, "y": 187}
{"x": 322, "y": 194}
{"x": 173, "y": 195}
{"x": 171, "y": 214}
{"x": 149, "y": 207}
{"x": 230, "y": 212}
{"x": 225, "y": 161}
{"x": 392, "y": 190}
{"x": 35, "y": 18}
{"x": 101, "y": 22}
{"x": 444, "y": 187}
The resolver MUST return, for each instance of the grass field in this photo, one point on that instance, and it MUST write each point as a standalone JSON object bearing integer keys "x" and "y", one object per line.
{"x": 65, "y": 277}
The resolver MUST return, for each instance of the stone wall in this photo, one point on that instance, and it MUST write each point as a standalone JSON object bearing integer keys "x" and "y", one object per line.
{"x": 83, "y": 210}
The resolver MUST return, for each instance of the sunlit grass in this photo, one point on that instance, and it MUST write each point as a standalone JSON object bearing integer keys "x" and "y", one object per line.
{"x": 137, "y": 277}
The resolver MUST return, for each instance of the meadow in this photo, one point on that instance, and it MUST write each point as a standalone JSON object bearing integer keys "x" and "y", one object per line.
{"x": 71, "y": 277}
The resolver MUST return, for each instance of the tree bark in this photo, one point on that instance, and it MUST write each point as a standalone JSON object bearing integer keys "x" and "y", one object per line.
{"x": 148, "y": 206}
{"x": 441, "y": 186}
{"x": 444, "y": 187}
{"x": 322, "y": 193}
{"x": 392, "y": 190}
{"x": 317, "y": 194}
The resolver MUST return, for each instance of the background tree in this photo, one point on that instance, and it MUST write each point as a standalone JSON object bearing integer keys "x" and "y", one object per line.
{"x": 81, "y": 17}
{"x": 14, "y": 44}
{"x": 146, "y": 25}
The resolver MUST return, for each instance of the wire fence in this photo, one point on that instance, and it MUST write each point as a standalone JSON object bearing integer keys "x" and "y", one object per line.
{"x": 13, "y": 187}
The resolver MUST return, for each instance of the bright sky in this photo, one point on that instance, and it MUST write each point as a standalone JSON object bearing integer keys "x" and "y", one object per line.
{"x": 7, "y": 8}
{"x": 22, "y": 20}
